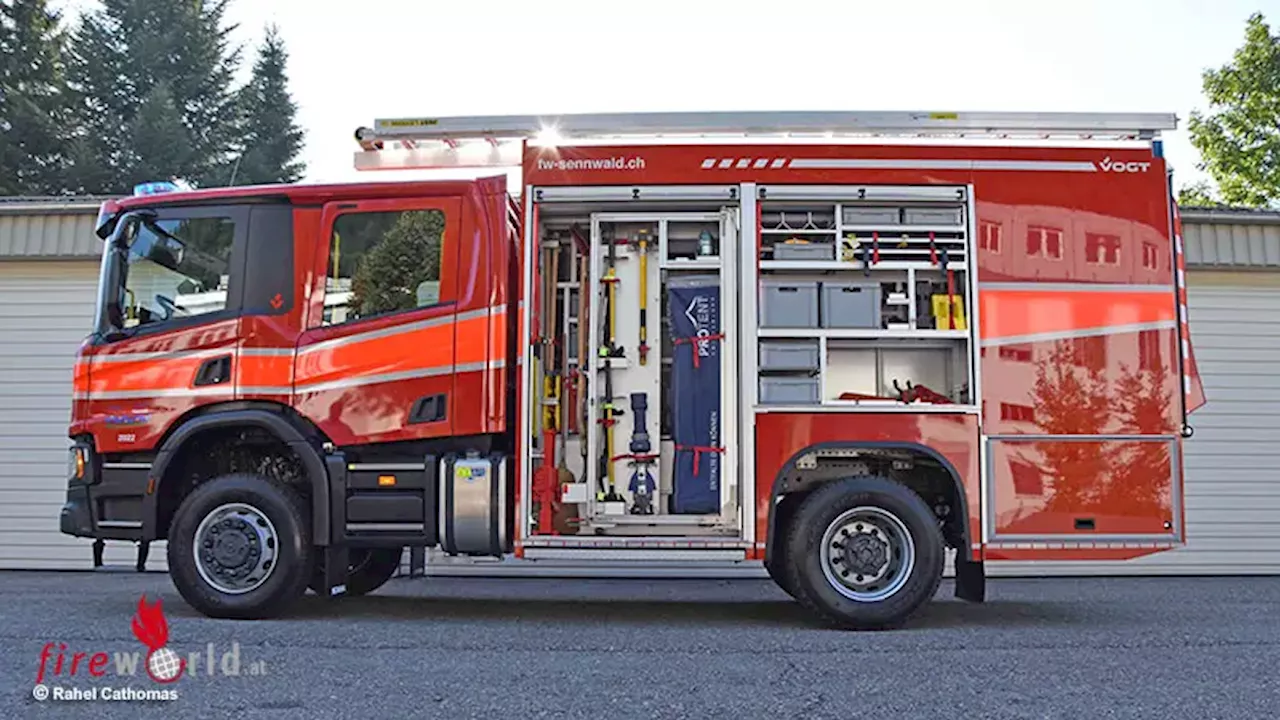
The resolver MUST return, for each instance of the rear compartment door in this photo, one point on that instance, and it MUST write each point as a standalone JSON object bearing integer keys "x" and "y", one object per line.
{"x": 377, "y": 361}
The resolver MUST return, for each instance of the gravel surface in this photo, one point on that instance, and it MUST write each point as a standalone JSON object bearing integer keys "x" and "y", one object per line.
{"x": 468, "y": 647}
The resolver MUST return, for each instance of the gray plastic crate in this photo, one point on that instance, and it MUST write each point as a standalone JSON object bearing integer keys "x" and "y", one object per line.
{"x": 789, "y": 355}
{"x": 805, "y": 251}
{"x": 871, "y": 216}
{"x": 935, "y": 216}
{"x": 850, "y": 305}
{"x": 789, "y": 391}
{"x": 789, "y": 303}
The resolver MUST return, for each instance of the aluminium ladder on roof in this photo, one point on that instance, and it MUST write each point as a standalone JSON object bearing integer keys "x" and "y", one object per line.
{"x": 434, "y": 140}
{"x": 1079, "y": 125}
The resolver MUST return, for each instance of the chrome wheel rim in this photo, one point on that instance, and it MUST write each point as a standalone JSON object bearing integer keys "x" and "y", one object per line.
{"x": 867, "y": 554}
{"x": 236, "y": 548}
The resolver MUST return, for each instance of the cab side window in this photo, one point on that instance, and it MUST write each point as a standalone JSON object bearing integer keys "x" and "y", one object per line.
{"x": 383, "y": 262}
{"x": 176, "y": 268}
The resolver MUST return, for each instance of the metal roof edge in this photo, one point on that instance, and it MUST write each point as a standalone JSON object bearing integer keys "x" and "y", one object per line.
{"x": 52, "y": 205}
{"x": 1227, "y": 214}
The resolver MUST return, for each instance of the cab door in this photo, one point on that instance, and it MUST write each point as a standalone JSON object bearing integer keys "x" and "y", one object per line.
{"x": 376, "y": 362}
{"x": 169, "y": 344}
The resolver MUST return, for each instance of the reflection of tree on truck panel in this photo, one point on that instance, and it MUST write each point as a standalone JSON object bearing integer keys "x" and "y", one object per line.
{"x": 1072, "y": 396}
{"x": 400, "y": 271}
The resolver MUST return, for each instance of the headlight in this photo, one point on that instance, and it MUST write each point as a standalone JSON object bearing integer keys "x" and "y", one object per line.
{"x": 75, "y": 463}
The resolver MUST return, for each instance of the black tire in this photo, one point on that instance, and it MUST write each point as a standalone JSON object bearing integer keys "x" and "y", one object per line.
{"x": 887, "y": 500}
{"x": 286, "y": 581}
{"x": 368, "y": 570}
{"x": 775, "y": 566}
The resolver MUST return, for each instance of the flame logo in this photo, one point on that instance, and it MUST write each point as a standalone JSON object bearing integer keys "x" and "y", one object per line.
{"x": 149, "y": 625}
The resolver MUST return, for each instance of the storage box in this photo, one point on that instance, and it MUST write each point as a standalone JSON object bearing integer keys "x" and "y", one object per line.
{"x": 789, "y": 355}
{"x": 804, "y": 251}
{"x": 850, "y": 305}
{"x": 788, "y": 390}
{"x": 935, "y": 216}
{"x": 872, "y": 216}
{"x": 788, "y": 303}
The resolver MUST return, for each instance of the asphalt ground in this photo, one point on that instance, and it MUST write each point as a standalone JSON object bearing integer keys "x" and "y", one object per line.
{"x": 536, "y": 648}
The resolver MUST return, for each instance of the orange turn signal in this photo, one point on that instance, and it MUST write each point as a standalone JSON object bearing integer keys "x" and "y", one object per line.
{"x": 386, "y": 480}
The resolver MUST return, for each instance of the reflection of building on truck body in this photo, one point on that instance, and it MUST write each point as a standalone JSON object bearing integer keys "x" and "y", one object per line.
{"x": 838, "y": 358}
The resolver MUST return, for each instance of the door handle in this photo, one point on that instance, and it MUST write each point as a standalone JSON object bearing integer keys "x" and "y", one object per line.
{"x": 214, "y": 371}
{"x": 431, "y": 408}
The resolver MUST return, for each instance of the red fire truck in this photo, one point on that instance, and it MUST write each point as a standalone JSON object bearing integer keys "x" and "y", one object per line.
{"x": 842, "y": 344}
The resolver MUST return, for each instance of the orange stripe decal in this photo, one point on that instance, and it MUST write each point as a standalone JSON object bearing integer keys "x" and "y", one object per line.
{"x": 1020, "y": 313}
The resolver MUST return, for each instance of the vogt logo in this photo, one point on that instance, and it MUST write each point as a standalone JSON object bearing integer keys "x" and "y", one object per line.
{"x": 1109, "y": 165}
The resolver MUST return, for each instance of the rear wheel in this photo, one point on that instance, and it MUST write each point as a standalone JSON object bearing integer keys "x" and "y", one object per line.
{"x": 240, "y": 547}
{"x": 367, "y": 570}
{"x": 863, "y": 553}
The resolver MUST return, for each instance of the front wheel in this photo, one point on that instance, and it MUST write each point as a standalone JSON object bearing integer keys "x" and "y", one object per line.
{"x": 864, "y": 553}
{"x": 240, "y": 547}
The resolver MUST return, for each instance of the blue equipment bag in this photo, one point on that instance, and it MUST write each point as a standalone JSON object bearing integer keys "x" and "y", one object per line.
{"x": 693, "y": 309}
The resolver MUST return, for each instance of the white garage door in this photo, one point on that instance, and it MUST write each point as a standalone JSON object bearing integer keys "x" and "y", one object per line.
{"x": 46, "y": 309}
{"x": 1232, "y": 483}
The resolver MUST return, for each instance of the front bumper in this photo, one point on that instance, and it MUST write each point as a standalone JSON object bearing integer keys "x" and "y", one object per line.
{"x": 103, "y": 502}
{"x": 76, "y": 518}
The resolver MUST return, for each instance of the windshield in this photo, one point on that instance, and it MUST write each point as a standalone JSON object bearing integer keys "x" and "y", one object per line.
{"x": 170, "y": 268}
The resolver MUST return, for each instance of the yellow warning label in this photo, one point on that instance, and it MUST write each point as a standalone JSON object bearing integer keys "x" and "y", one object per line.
{"x": 944, "y": 116}
{"x": 410, "y": 122}
{"x": 464, "y": 472}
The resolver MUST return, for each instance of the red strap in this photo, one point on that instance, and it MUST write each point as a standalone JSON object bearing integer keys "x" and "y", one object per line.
{"x": 641, "y": 459}
{"x": 875, "y": 248}
{"x": 697, "y": 453}
{"x": 690, "y": 340}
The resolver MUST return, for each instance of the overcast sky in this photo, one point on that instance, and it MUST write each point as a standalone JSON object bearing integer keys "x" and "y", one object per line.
{"x": 354, "y": 62}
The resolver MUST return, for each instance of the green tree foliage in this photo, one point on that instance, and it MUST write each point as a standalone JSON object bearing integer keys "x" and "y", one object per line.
{"x": 1239, "y": 137}
{"x": 34, "y": 108}
{"x": 139, "y": 63}
{"x": 271, "y": 137}
{"x": 392, "y": 274}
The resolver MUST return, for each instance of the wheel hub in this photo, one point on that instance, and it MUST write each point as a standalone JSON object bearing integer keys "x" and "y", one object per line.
{"x": 867, "y": 554}
{"x": 235, "y": 548}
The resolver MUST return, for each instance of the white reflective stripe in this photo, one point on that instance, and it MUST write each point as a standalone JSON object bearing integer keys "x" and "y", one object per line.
{"x": 1182, "y": 277}
{"x": 398, "y": 329}
{"x": 891, "y": 164}
{"x": 744, "y": 163}
{"x": 125, "y": 524}
{"x": 1074, "y": 287}
{"x": 780, "y": 162}
{"x": 726, "y": 163}
{"x": 264, "y": 390}
{"x": 1182, "y": 313}
{"x": 126, "y": 466}
{"x": 1186, "y": 348}
{"x": 164, "y": 355}
{"x": 761, "y": 162}
{"x": 373, "y": 379}
{"x": 266, "y": 352}
{"x": 1068, "y": 334}
{"x": 708, "y": 163}
{"x": 139, "y": 394}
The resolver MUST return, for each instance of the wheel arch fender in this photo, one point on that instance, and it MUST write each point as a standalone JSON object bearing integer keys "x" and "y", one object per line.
{"x": 771, "y": 539}
{"x": 273, "y": 421}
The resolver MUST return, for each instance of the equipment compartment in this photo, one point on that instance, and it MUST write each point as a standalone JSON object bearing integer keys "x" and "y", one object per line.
{"x": 789, "y": 304}
{"x": 789, "y": 391}
{"x": 789, "y": 355}
{"x": 850, "y": 305}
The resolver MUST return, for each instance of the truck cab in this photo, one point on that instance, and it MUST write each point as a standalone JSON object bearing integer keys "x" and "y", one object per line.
{"x": 240, "y": 332}
{"x": 839, "y": 359}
